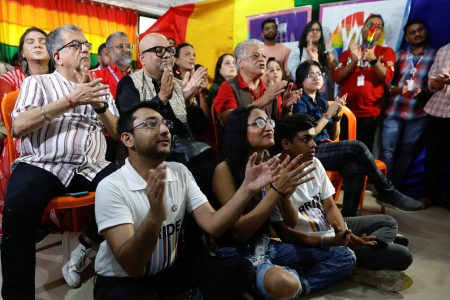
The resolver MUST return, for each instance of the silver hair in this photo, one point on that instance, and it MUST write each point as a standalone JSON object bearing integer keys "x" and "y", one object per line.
{"x": 113, "y": 36}
{"x": 56, "y": 41}
{"x": 239, "y": 51}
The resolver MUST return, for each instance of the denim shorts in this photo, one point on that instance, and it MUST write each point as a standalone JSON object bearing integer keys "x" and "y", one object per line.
{"x": 261, "y": 266}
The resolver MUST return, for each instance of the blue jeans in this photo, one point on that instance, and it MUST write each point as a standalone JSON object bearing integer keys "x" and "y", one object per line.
{"x": 399, "y": 137}
{"x": 315, "y": 268}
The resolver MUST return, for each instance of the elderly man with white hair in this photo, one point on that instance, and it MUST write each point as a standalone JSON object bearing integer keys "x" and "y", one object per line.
{"x": 247, "y": 88}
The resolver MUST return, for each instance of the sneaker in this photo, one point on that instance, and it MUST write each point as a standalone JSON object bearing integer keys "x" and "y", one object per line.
{"x": 400, "y": 202}
{"x": 401, "y": 240}
{"x": 386, "y": 280}
{"x": 77, "y": 262}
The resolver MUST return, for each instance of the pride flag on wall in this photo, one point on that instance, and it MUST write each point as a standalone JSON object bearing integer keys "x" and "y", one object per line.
{"x": 97, "y": 21}
{"x": 213, "y": 27}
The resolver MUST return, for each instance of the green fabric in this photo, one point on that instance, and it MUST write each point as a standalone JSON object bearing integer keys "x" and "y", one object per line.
{"x": 315, "y": 5}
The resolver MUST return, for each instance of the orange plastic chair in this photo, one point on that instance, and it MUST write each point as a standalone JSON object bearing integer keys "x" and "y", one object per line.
{"x": 61, "y": 202}
{"x": 351, "y": 120}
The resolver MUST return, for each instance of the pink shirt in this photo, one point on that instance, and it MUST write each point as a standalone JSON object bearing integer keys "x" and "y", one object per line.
{"x": 281, "y": 54}
{"x": 439, "y": 103}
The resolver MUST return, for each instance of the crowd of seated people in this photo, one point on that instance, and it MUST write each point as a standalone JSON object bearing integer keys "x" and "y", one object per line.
{"x": 275, "y": 229}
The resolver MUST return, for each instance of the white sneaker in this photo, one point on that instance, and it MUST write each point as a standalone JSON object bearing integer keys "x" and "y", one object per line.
{"x": 386, "y": 280}
{"x": 73, "y": 267}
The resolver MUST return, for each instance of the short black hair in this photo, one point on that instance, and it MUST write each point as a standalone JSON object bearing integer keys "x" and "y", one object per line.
{"x": 126, "y": 119}
{"x": 290, "y": 125}
{"x": 100, "y": 48}
{"x": 421, "y": 22}
{"x": 269, "y": 20}
{"x": 303, "y": 69}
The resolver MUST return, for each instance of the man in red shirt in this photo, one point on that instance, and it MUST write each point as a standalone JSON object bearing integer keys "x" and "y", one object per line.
{"x": 118, "y": 48}
{"x": 363, "y": 72}
{"x": 247, "y": 88}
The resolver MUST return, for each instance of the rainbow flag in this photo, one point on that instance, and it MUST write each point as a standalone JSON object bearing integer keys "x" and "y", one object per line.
{"x": 97, "y": 21}
{"x": 213, "y": 27}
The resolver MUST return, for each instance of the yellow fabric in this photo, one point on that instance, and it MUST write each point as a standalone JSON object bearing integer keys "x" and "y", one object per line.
{"x": 210, "y": 31}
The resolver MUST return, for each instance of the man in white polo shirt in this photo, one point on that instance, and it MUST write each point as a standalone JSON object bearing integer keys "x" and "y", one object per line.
{"x": 140, "y": 209}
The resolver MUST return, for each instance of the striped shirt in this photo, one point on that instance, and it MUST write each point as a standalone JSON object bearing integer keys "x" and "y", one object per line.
{"x": 13, "y": 79}
{"x": 71, "y": 143}
{"x": 439, "y": 103}
{"x": 405, "y": 106}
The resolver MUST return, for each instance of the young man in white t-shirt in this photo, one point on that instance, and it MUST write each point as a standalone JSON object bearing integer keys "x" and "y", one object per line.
{"x": 140, "y": 209}
{"x": 380, "y": 264}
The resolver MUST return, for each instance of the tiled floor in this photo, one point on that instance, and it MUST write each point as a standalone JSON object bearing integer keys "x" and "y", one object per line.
{"x": 428, "y": 232}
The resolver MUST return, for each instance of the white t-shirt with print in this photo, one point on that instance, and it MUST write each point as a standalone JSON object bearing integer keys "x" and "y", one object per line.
{"x": 307, "y": 199}
{"x": 121, "y": 199}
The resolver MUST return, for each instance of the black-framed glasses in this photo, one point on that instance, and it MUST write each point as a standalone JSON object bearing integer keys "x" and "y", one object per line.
{"x": 314, "y": 30}
{"x": 77, "y": 45}
{"x": 261, "y": 123}
{"x": 312, "y": 75}
{"x": 160, "y": 51}
{"x": 154, "y": 123}
{"x": 121, "y": 46}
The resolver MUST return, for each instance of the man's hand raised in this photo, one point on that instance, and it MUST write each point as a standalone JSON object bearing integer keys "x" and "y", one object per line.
{"x": 88, "y": 90}
{"x": 167, "y": 85}
{"x": 156, "y": 183}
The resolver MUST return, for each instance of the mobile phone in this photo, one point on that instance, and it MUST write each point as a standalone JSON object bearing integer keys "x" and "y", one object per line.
{"x": 77, "y": 194}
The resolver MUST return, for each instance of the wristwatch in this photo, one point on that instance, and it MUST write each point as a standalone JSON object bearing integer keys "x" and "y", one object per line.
{"x": 102, "y": 109}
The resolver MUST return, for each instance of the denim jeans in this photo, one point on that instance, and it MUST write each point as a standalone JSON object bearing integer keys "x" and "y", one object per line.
{"x": 316, "y": 268}
{"x": 399, "y": 137}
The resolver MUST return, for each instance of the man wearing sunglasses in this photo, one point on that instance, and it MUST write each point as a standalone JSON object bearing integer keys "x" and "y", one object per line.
{"x": 60, "y": 119}
{"x": 156, "y": 82}
{"x": 140, "y": 209}
{"x": 118, "y": 49}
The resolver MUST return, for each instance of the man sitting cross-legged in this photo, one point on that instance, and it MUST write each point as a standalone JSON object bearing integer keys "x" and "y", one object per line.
{"x": 140, "y": 209}
{"x": 380, "y": 264}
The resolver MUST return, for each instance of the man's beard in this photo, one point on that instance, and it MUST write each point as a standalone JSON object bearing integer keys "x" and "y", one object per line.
{"x": 270, "y": 36}
{"x": 123, "y": 61}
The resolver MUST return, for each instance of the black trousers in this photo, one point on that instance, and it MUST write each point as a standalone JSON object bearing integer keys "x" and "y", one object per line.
{"x": 30, "y": 189}
{"x": 437, "y": 161}
{"x": 215, "y": 278}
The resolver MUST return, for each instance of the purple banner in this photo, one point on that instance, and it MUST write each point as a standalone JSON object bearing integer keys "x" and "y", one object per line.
{"x": 290, "y": 23}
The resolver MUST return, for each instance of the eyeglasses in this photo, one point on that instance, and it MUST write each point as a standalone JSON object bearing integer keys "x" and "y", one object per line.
{"x": 261, "y": 123}
{"x": 77, "y": 45}
{"x": 370, "y": 24}
{"x": 154, "y": 124}
{"x": 314, "y": 30}
{"x": 160, "y": 51}
{"x": 30, "y": 41}
{"x": 313, "y": 75}
{"x": 121, "y": 46}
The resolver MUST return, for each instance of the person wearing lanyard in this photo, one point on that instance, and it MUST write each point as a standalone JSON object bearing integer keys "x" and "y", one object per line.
{"x": 362, "y": 73}
{"x": 405, "y": 119}
{"x": 118, "y": 48}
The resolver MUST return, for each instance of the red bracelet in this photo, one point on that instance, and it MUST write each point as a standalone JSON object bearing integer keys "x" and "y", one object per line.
{"x": 70, "y": 102}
